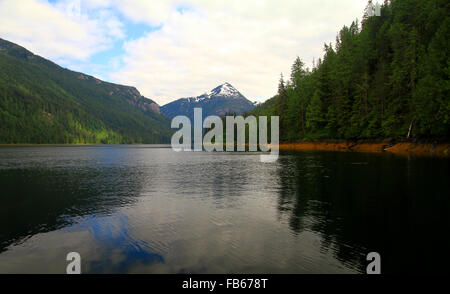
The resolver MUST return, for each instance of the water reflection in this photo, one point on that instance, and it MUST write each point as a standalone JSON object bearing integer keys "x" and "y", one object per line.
{"x": 35, "y": 200}
{"x": 132, "y": 209}
{"x": 359, "y": 203}
{"x": 121, "y": 252}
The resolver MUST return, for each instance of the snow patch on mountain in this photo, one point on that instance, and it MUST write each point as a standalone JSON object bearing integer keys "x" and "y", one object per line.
{"x": 225, "y": 90}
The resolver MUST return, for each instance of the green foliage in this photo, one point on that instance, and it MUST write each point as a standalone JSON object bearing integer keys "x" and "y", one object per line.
{"x": 42, "y": 103}
{"x": 381, "y": 76}
{"x": 314, "y": 115}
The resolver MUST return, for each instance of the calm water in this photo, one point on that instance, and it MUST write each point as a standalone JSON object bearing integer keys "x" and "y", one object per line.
{"x": 141, "y": 209}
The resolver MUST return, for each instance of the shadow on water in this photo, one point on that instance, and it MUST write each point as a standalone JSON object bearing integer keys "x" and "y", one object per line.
{"x": 358, "y": 203}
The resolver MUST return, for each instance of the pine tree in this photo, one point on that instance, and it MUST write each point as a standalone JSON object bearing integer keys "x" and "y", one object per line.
{"x": 381, "y": 79}
{"x": 314, "y": 116}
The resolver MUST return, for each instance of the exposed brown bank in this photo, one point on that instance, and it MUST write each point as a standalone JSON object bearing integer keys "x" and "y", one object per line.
{"x": 402, "y": 148}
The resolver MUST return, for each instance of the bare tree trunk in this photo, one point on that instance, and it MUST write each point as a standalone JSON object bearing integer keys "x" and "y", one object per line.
{"x": 410, "y": 130}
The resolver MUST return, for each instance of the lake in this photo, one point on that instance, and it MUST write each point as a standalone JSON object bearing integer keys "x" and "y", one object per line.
{"x": 148, "y": 209}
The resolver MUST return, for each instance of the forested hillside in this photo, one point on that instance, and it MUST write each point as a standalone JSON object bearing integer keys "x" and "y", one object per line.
{"x": 43, "y": 103}
{"x": 386, "y": 77}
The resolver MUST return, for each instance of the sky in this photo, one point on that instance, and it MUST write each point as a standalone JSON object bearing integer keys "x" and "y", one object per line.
{"x": 169, "y": 49}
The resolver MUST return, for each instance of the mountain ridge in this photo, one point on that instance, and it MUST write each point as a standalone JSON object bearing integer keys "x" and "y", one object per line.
{"x": 42, "y": 102}
{"x": 19, "y": 51}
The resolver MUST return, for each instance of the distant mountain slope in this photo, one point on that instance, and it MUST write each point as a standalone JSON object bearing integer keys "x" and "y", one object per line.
{"x": 41, "y": 102}
{"x": 219, "y": 101}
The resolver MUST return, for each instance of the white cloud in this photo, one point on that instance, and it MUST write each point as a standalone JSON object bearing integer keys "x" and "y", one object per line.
{"x": 53, "y": 31}
{"x": 247, "y": 43}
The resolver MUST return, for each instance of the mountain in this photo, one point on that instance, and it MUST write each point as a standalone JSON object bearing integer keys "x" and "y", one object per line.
{"x": 219, "y": 101}
{"x": 41, "y": 102}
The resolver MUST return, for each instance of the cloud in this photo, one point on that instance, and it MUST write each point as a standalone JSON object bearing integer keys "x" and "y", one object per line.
{"x": 151, "y": 12}
{"x": 199, "y": 43}
{"x": 247, "y": 43}
{"x": 55, "y": 31}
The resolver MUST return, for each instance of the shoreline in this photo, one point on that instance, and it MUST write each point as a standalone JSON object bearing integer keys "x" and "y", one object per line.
{"x": 399, "y": 148}
{"x": 386, "y": 146}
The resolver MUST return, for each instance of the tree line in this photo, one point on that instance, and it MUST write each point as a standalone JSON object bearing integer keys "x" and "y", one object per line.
{"x": 386, "y": 77}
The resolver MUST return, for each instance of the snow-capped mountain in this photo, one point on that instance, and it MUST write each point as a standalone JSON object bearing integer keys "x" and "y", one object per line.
{"x": 219, "y": 101}
{"x": 225, "y": 90}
